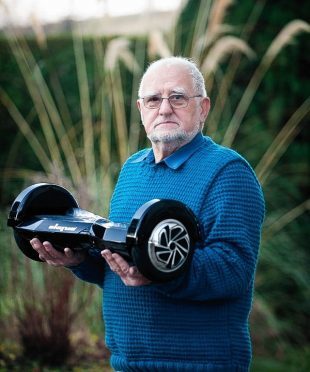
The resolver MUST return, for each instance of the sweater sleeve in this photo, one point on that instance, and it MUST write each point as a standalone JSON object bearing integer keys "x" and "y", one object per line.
{"x": 90, "y": 270}
{"x": 231, "y": 217}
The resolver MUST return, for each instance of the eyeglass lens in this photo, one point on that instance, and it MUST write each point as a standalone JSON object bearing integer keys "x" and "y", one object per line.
{"x": 175, "y": 100}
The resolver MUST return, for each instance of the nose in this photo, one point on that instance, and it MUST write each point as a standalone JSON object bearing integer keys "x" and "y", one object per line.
{"x": 165, "y": 107}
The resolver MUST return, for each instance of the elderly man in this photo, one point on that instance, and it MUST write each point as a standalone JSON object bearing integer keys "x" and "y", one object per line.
{"x": 199, "y": 321}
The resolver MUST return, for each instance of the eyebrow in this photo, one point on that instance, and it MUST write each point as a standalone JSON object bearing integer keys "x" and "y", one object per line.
{"x": 173, "y": 91}
{"x": 178, "y": 90}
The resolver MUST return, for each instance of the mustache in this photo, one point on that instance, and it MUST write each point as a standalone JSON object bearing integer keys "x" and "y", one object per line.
{"x": 162, "y": 121}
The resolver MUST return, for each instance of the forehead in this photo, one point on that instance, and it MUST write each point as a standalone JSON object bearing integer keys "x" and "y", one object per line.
{"x": 166, "y": 79}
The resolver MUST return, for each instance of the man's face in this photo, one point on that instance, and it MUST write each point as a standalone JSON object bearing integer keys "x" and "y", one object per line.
{"x": 167, "y": 124}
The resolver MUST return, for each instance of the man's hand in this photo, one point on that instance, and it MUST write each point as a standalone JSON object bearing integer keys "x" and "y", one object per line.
{"x": 129, "y": 274}
{"x": 53, "y": 257}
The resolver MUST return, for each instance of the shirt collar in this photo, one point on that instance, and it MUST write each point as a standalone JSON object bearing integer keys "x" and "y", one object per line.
{"x": 176, "y": 159}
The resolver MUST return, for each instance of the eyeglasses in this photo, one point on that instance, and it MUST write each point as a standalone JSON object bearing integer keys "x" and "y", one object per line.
{"x": 176, "y": 100}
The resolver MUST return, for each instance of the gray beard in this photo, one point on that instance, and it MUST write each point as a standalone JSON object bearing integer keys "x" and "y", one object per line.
{"x": 177, "y": 137}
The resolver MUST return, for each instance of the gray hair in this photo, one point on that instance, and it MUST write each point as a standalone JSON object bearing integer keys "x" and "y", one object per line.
{"x": 198, "y": 80}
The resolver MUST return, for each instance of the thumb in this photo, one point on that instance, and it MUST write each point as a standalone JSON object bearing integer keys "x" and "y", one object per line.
{"x": 68, "y": 252}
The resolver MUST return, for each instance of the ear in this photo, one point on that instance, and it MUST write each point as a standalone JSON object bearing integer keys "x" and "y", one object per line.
{"x": 205, "y": 108}
{"x": 138, "y": 104}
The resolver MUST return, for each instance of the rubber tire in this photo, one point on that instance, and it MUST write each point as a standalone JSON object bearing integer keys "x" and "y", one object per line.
{"x": 26, "y": 248}
{"x": 156, "y": 213}
{"x": 41, "y": 198}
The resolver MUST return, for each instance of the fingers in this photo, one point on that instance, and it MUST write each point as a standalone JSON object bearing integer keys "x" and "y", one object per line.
{"x": 116, "y": 262}
{"x": 133, "y": 270}
{"x": 73, "y": 258}
{"x": 68, "y": 252}
{"x": 130, "y": 275}
{"x": 45, "y": 250}
{"x": 50, "y": 255}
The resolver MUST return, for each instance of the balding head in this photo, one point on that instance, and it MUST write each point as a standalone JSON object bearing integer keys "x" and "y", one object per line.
{"x": 190, "y": 66}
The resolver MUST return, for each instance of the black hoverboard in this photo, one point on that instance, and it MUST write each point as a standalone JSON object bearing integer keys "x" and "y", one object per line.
{"x": 159, "y": 239}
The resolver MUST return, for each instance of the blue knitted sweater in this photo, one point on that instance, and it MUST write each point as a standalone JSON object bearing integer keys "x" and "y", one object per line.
{"x": 199, "y": 321}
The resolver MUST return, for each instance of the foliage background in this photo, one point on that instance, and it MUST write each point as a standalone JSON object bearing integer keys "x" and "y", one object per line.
{"x": 80, "y": 91}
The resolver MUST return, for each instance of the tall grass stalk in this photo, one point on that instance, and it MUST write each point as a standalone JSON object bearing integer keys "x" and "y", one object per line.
{"x": 115, "y": 86}
{"x": 118, "y": 50}
{"x": 55, "y": 134}
{"x": 88, "y": 132}
{"x": 28, "y": 69}
{"x": 221, "y": 99}
{"x": 135, "y": 126}
{"x": 103, "y": 105}
{"x": 281, "y": 142}
{"x": 217, "y": 14}
{"x": 285, "y": 37}
{"x": 222, "y": 48}
{"x": 26, "y": 130}
{"x": 199, "y": 25}
{"x": 286, "y": 218}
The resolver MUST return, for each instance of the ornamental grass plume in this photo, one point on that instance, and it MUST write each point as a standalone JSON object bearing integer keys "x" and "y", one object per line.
{"x": 222, "y": 48}
{"x": 157, "y": 46}
{"x": 285, "y": 37}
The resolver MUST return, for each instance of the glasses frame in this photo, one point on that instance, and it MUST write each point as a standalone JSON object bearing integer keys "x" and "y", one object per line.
{"x": 168, "y": 98}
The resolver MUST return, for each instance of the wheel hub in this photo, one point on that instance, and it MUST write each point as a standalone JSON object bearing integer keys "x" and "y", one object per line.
{"x": 169, "y": 245}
